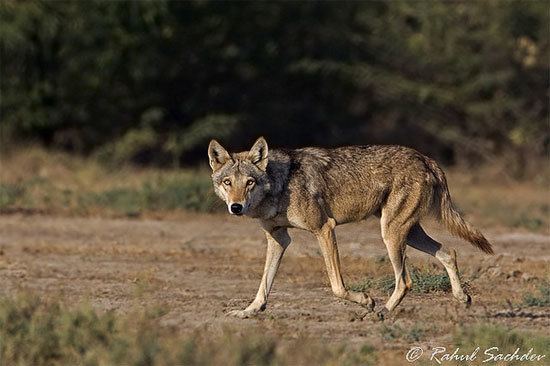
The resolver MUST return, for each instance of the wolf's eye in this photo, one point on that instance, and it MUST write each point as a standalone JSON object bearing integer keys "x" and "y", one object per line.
{"x": 250, "y": 182}
{"x": 227, "y": 182}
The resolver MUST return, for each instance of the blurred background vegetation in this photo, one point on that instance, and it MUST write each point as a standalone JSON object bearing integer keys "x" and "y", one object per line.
{"x": 150, "y": 82}
{"x": 107, "y": 107}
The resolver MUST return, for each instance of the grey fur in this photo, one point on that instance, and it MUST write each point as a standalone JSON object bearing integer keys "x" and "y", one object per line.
{"x": 316, "y": 189}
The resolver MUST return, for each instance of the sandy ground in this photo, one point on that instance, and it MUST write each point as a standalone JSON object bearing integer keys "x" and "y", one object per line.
{"x": 201, "y": 266}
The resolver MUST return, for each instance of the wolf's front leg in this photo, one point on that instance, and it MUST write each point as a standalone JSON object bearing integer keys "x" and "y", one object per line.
{"x": 327, "y": 241}
{"x": 277, "y": 241}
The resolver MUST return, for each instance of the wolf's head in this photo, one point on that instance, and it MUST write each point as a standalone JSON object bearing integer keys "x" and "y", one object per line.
{"x": 240, "y": 179}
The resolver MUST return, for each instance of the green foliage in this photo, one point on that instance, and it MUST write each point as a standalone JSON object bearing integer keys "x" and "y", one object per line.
{"x": 39, "y": 332}
{"x": 9, "y": 194}
{"x": 362, "y": 286}
{"x": 413, "y": 334}
{"x": 486, "y": 336}
{"x": 540, "y": 299}
{"x": 35, "y": 332}
{"x": 32, "y": 332}
{"x": 151, "y": 82}
{"x": 424, "y": 281}
{"x": 190, "y": 191}
{"x": 194, "y": 193}
{"x": 128, "y": 146}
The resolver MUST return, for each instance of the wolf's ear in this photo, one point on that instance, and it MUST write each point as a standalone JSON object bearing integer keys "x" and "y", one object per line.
{"x": 217, "y": 155}
{"x": 258, "y": 154}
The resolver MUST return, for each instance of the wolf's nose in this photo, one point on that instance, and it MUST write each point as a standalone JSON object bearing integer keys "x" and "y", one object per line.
{"x": 236, "y": 208}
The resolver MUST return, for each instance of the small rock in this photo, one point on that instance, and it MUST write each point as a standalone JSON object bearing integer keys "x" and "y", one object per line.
{"x": 527, "y": 277}
{"x": 515, "y": 273}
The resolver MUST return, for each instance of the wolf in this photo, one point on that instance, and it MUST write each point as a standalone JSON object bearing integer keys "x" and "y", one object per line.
{"x": 316, "y": 189}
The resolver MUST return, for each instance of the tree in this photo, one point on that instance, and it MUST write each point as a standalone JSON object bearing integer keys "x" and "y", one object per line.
{"x": 151, "y": 82}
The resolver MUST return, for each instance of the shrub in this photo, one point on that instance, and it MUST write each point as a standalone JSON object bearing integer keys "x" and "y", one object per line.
{"x": 35, "y": 332}
{"x": 486, "y": 336}
{"x": 424, "y": 281}
{"x": 539, "y": 300}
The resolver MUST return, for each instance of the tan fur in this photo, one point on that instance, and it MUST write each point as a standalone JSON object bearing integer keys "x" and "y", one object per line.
{"x": 317, "y": 189}
{"x": 450, "y": 216}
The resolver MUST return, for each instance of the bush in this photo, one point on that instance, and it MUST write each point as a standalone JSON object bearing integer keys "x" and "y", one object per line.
{"x": 486, "y": 336}
{"x": 40, "y": 180}
{"x": 461, "y": 82}
{"x": 423, "y": 281}
{"x": 542, "y": 299}
{"x": 35, "y": 332}
{"x": 9, "y": 194}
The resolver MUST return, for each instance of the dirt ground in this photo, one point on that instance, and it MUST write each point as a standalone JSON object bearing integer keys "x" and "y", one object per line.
{"x": 201, "y": 266}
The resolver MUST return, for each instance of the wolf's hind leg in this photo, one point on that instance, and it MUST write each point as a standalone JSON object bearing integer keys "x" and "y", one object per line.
{"x": 327, "y": 242}
{"x": 396, "y": 250}
{"x": 418, "y": 239}
{"x": 396, "y": 219}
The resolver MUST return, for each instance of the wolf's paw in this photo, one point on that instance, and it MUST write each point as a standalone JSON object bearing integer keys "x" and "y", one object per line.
{"x": 250, "y": 311}
{"x": 466, "y": 301}
{"x": 241, "y": 314}
{"x": 382, "y": 314}
{"x": 362, "y": 299}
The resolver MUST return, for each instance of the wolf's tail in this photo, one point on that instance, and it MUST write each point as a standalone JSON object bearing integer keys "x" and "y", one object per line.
{"x": 450, "y": 217}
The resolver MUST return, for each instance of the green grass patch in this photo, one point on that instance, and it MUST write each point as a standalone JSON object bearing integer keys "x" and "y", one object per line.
{"x": 9, "y": 194}
{"x": 189, "y": 193}
{"x": 186, "y": 191}
{"x": 427, "y": 281}
{"x": 424, "y": 281}
{"x": 542, "y": 298}
{"x": 416, "y": 333}
{"x": 40, "y": 180}
{"x": 486, "y": 336}
{"x": 192, "y": 193}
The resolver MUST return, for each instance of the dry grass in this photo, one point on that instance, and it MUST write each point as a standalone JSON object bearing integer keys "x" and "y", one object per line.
{"x": 33, "y": 179}
{"x": 487, "y": 336}
{"x": 37, "y": 332}
{"x": 500, "y": 202}
{"x": 36, "y": 180}
{"x": 40, "y": 332}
